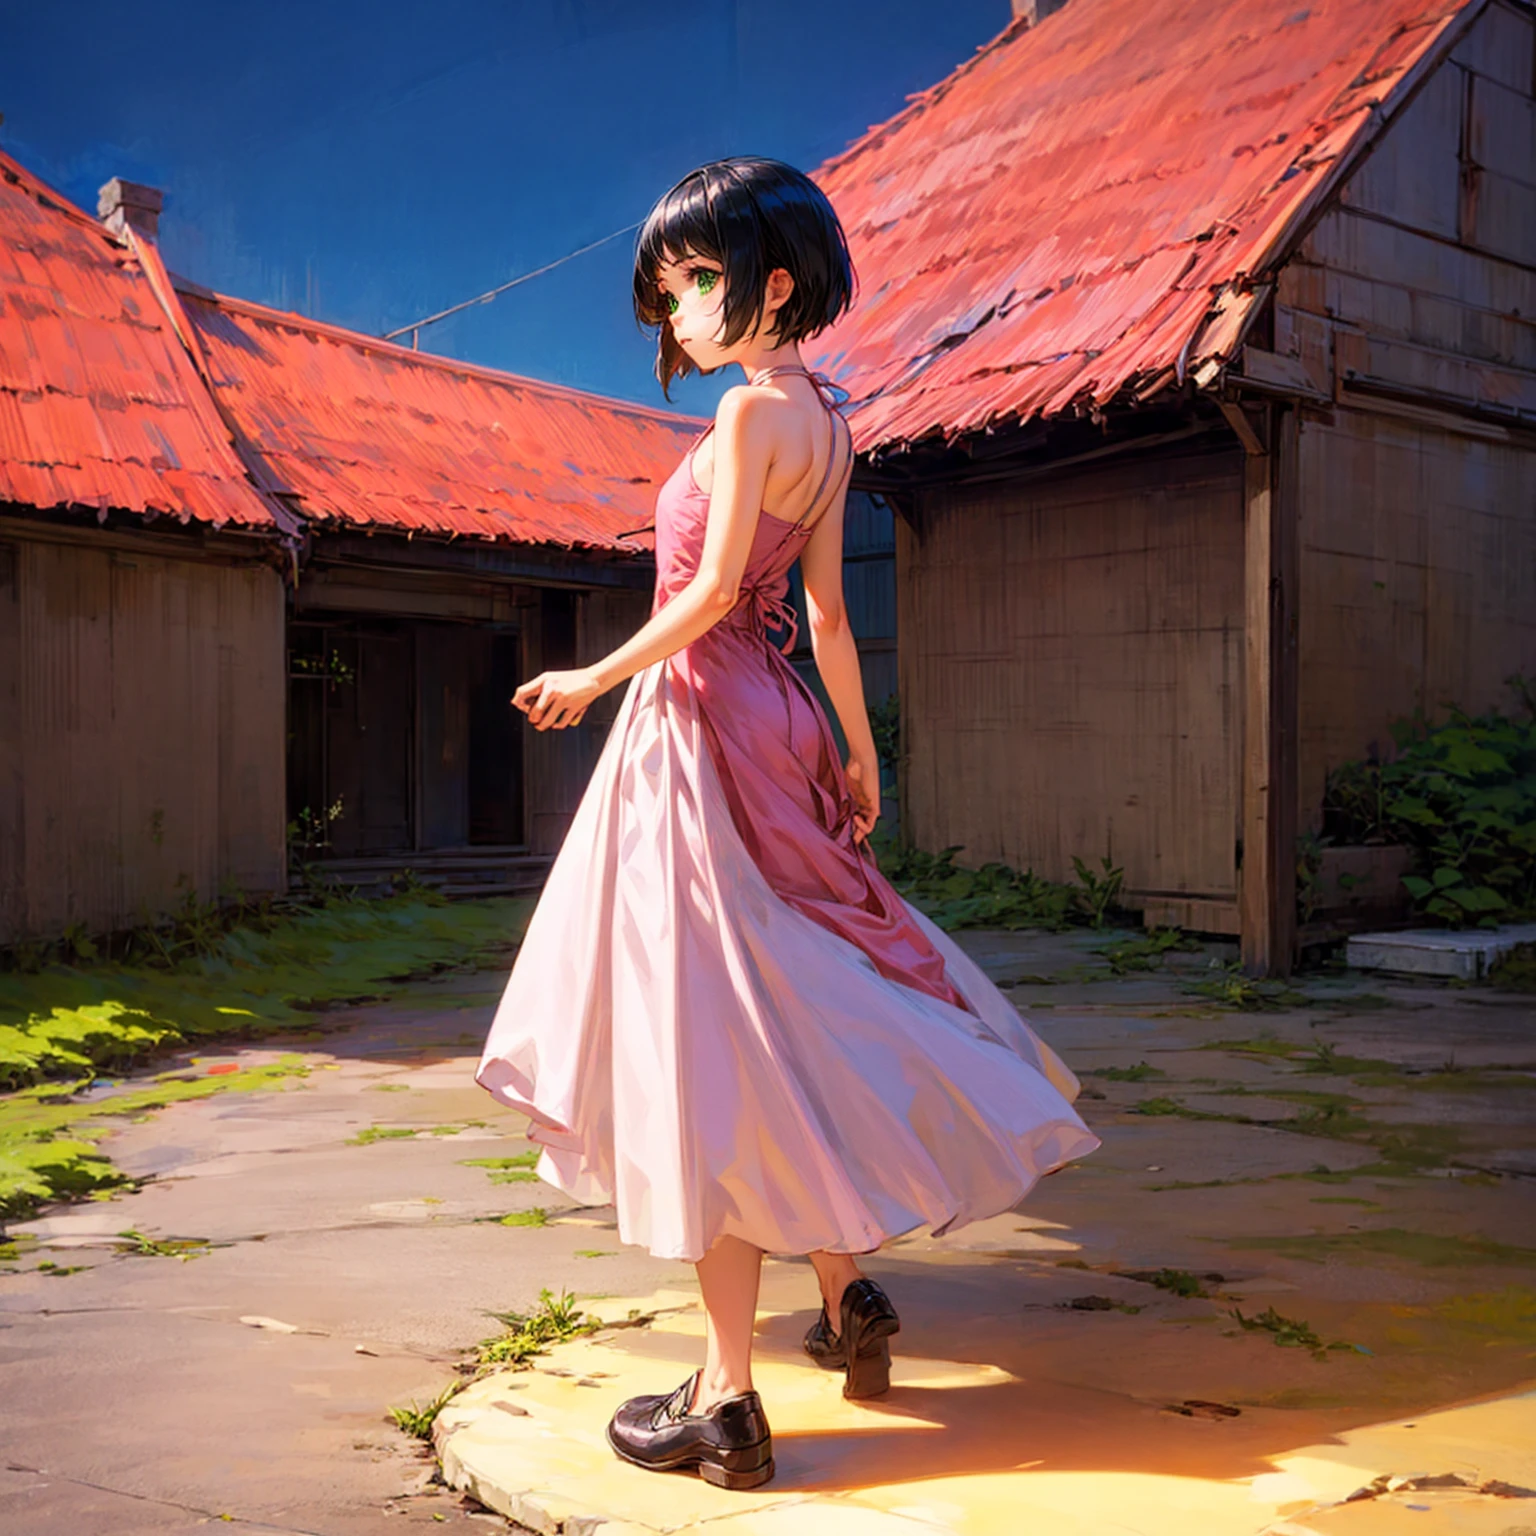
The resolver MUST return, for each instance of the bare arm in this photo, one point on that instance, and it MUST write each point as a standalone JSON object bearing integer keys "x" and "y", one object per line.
{"x": 743, "y": 457}
{"x": 837, "y": 657}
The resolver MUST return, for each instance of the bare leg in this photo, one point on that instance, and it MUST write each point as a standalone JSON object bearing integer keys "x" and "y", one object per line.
{"x": 835, "y": 1271}
{"x": 728, "y": 1276}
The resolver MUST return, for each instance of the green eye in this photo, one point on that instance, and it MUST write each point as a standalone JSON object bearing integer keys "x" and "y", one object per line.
{"x": 671, "y": 299}
{"x": 707, "y": 280}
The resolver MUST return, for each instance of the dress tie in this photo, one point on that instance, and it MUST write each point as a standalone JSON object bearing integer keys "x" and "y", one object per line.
{"x": 764, "y": 610}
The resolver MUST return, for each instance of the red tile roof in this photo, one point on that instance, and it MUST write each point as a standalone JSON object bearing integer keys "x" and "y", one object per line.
{"x": 100, "y": 405}
{"x": 1083, "y": 208}
{"x": 366, "y": 434}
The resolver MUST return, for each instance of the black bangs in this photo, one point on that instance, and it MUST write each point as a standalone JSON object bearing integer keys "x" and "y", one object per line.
{"x": 751, "y": 216}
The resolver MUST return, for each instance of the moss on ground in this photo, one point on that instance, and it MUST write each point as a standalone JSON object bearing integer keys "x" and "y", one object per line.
{"x": 63, "y": 1026}
{"x": 1425, "y": 1248}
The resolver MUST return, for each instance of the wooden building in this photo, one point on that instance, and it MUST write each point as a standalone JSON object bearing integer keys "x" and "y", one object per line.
{"x": 1215, "y": 444}
{"x": 254, "y": 569}
{"x": 141, "y": 596}
{"x": 465, "y": 529}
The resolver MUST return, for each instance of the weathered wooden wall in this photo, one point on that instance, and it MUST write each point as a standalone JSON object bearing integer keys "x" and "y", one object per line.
{"x": 1071, "y": 664}
{"x": 141, "y": 729}
{"x": 1413, "y": 306}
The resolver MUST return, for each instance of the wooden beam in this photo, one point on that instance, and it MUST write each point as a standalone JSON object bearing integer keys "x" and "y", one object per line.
{"x": 1247, "y": 433}
{"x": 1267, "y": 874}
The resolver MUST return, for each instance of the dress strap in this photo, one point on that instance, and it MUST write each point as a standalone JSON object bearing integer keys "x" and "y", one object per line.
{"x": 835, "y": 417}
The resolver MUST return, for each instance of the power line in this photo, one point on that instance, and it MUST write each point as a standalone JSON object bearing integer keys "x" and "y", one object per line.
{"x": 416, "y": 326}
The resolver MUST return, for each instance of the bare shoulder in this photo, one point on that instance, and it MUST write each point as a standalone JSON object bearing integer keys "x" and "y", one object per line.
{"x": 753, "y": 412}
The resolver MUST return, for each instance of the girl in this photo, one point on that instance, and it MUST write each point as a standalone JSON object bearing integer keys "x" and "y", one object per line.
{"x": 722, "y": 1019}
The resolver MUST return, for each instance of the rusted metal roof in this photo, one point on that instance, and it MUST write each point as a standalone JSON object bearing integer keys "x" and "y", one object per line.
{"x": 361, "y": 433}
{"x": 1084, "y": 210}
{"x": 100, "y": 404}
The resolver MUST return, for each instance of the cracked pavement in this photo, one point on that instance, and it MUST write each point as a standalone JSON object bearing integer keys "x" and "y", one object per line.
{"x": 1356, "y": 1160}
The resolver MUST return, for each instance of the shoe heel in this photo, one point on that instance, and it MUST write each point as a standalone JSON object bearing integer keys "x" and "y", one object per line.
{"x": 869, "y": 1372}
{"x": 725, "y": 1477}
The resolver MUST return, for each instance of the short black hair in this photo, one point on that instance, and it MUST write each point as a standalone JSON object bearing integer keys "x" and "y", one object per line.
{"x": 752, "y": 216}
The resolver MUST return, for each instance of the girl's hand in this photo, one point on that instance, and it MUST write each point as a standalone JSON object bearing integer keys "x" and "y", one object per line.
{"x": 864, "y": 786}
{"x": 557, "y": 699}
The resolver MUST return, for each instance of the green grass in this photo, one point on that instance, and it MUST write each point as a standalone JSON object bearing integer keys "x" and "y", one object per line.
{"x": 506, "y": 1170}
{"x": 536, "y": 1217}
{"x": 417, "y": 1420}
{"x": 1137, "y": 1074}
{"x": 1289, "y": 1332}
{"x": 64, "y": 1026}
{"x": 1177, "y": 1282}
{"x": 135, "y": 1242}
{"x": 1424, "y": 1248}
{"x": 528, "y": 1334}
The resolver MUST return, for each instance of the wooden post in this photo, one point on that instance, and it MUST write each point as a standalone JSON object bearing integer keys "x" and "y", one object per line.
{"x": 1267, "y": 877}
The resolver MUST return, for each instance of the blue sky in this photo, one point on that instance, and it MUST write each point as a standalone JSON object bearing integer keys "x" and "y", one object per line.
{"x": 369, "y": 161}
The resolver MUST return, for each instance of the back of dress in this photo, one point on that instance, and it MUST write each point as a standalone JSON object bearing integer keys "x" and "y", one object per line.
{"x": 723, "y": 1018}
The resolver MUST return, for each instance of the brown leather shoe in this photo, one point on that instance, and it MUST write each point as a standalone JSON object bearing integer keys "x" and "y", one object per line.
{"x": 730, "y": 1446}
{"x": 869, "y": 1320}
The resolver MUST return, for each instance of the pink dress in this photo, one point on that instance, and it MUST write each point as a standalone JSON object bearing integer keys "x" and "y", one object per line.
{"x": 723, "y": 1019}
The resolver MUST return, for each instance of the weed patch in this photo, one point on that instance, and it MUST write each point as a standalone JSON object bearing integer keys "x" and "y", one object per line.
{"x": 417, "y": 1420}
{"x": 1290, "y": 1332}
{"x": 1140, "y": 1073}
{"x": 997, "y": 895}
{"x": 1164, "y": 1106}
{"x": 48, "y": 1135}
{"x": 135, "y": 1242}
{"x": 68, "y": 1015}
{"x": 528, "y": 1334}
{"x": 506, "y": 1170}
{"x": 1424, "y": 1248}
{"x": 1462, "y": 795}
{"x": 1177, "y": 1282}
{"x": 1231, "y": 989}
{"x": 536, "y": 1217}
{"x": 372, "y": 1133}
{"x": 1146, "y": 953}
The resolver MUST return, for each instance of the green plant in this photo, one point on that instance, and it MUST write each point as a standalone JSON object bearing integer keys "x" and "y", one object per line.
{"x": 309, "y": 835}
{"x": 1101, "y": 888}
{"x": 61, "y": 1025}
{"x": 183, "y": 1248}
{"x": 417, "y": 1420}
{"x": 506, "y": 1170}
{"x": 1137, "y": 1074}
{"x": 1462, "y": 796}
{"x": 993, "y": 896}
{"x": 537, "y": 1216}
{"x": 1177, "y": 1282}
{"x": 553, "y": 1321}
{"x": 1145, "y": 953}
{"x": 1289, "y": 1332}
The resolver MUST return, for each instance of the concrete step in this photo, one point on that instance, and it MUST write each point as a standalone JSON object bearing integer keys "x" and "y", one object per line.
{"x": 1466, "y": 954}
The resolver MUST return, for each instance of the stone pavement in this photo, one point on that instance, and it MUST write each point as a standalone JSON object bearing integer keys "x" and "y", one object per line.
{"x": 1302, "y": 1266}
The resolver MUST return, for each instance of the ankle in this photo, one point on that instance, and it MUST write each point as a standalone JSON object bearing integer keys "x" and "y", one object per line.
{"x": 833, "y": 1286}
{"x": 715, "y": 1387}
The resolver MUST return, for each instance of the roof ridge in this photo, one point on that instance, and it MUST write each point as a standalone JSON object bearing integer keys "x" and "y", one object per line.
{"x": 39, "y": 190}
{"x": 393, "y": 349}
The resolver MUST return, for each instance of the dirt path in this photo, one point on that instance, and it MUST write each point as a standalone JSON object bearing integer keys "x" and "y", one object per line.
{"x": 1354, "y": 1167}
